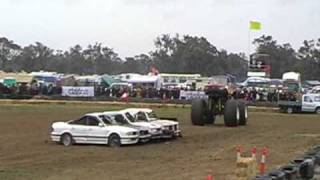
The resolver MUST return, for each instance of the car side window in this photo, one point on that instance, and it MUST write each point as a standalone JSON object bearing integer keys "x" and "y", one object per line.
{"x": 307, "y": 99}
{"x": 81, "y": 121}
{"x": 92, "y": 121}
{"x": 141, "y": 116}
{"x": 120, "y": 119}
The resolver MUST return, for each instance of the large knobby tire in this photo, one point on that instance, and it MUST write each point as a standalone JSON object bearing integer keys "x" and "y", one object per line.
{"x": 66, "y": 139}
{"x": 243, "y": 108}
{"x": 114, "y": 141}
{"x": 209, "y": 116}
{"x": 231, "y": 113}
{"x": 198, "y": 110}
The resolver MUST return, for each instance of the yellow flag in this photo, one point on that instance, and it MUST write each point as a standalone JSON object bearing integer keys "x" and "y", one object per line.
{"x": 255, "y": 25}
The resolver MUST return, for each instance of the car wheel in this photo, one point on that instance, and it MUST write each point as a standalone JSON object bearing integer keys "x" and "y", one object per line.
{"x": 66, "y": 140}
{"x": 114, "y": 140}
{"x": 318, "y": 110}
{"x": 289, "y": 110}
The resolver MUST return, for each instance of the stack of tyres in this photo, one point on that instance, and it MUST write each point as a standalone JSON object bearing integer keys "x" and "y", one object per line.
{"x": 291, "y": 172}
{"x": 277, "y": 175}
{"x": 301, "y": 168}
{"x": 307, "y": 169}
{"x": 263, "y": 177}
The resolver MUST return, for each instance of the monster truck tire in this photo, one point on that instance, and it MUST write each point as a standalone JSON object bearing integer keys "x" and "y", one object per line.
{"x": 231, "y": 113}
{"x": 210, "y": 118}
{"x": 243, "y": 108}
{"x": 198, "y": 111}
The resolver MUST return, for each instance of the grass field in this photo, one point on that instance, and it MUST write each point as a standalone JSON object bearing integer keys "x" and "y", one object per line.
{"x": 26, "y": 151}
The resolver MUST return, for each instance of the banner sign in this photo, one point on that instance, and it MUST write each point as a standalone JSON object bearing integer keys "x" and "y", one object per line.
{"x": 189, "y": 95}
{"x": 77, "y": 91}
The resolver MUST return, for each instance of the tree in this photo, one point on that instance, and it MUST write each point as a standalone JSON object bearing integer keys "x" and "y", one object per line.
{"x": 8, "y": 52}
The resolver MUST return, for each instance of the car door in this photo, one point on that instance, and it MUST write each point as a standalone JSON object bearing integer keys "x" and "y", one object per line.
{"x": 307, "y": 104}
{"x": 78, "y": 129}
{"x": 96, "y": 134}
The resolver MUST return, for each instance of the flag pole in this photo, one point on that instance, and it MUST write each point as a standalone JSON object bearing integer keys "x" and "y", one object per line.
{"x": 249, "y": 42}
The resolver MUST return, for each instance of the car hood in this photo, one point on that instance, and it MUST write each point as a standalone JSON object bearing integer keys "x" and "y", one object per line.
{"x": 165, "y": 122}
{"x": 146, "y": 124}
{"x": 59, "y": 124}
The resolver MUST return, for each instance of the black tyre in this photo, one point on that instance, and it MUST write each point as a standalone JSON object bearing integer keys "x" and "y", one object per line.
{"x": 243, "y": 108}
{"x": 209, "y": 116}
{"x": 66, "y": 140}
{"x": 231, "y": 113}
{"x": 318, "y": 110}
{"x": 114, "y": 140}
{"x": 198, "y": 111}
{"x": 289, "y": 110}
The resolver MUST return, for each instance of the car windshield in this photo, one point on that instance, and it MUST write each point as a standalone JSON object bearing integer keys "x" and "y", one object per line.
{"x": 130, "y": 117}
{"x": 119, "y": 119}
{"x": 106, "y": 119}
{"x": 292, "y": 87}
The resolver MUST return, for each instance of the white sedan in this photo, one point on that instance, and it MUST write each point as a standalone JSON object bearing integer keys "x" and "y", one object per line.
{"x": 170, "y": 128}
{"x": 147, "y": 130}
{"x": 93, "y": 128}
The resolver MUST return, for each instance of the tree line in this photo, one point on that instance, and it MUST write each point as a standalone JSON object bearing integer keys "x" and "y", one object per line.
{"x": 171, "y": 54}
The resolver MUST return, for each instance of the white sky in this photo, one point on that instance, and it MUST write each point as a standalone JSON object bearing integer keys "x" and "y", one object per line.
{"x": 130, "y": 26}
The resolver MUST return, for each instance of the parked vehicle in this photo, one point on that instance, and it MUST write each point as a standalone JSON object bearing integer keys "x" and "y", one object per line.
{"x": 308, "y": 103}
{"x": 93, "y": 128}
{"x": 292, "y": 88}
{"x": 147, "y": 130}
{"x": 170, "y": 126}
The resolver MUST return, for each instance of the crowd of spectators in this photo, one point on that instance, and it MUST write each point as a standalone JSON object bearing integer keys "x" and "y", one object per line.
{"x": 34, "y": 88}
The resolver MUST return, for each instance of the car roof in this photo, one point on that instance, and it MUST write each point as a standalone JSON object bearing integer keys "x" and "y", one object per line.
{"x": 111, "y": 112}
{"x": 312, "y": 94}
{"x": 135, "y": 110}
{"x": 94, "y": 114}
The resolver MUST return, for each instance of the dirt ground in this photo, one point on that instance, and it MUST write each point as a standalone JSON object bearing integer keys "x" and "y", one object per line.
{"x": 26, "y": 151}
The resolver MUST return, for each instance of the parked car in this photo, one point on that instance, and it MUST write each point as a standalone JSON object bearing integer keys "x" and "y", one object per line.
{"x": 147, "y": 130}
{"x": 170, "y": 126}
{"x": 93, "y": 128}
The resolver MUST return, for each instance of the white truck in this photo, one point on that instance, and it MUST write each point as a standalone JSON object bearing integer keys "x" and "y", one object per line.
{"x": 307, "y": 103}
{"x": 291, "y": 87}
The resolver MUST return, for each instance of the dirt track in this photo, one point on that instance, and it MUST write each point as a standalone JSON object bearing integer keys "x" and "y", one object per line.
{"x": 27, "y": 153}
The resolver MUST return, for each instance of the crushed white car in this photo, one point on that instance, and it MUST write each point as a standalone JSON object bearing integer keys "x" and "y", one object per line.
{"x": 93, "y": 128}
{"x": 147, "y": 130}
{"x": 170, "y": 126}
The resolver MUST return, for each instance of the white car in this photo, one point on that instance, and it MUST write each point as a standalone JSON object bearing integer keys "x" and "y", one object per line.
{"x": 147, "y": 130}
{"x": 93, "y": 128}
{"x": 170, "y": 128}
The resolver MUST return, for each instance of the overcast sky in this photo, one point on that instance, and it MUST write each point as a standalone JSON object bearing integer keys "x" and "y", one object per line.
{"x": 130, "y": 26}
